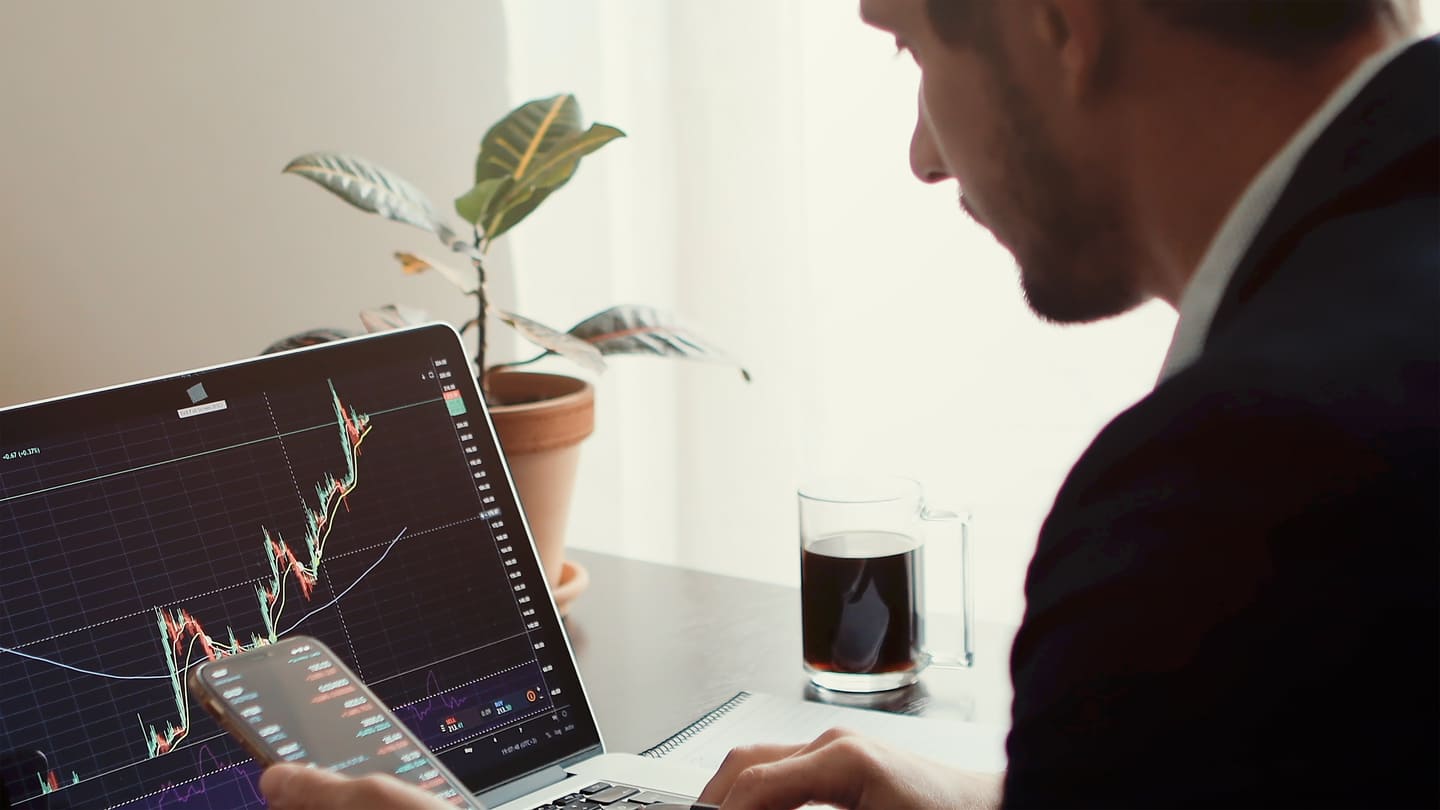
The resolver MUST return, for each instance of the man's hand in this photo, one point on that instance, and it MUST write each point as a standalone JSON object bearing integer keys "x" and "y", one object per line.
{"x": 296, "y": 787}
{"x": 846, "y": 770}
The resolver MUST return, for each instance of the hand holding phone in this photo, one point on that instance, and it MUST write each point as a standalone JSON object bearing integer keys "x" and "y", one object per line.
{"x": 296, "y": 701}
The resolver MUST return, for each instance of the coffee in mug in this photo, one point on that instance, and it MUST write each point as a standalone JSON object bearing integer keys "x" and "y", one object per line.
{"x": 861, "y": 610}
{"x": 862, "y": 545}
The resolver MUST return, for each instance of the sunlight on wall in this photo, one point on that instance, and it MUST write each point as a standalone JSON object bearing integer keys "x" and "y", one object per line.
{"x": 764, "y": 193}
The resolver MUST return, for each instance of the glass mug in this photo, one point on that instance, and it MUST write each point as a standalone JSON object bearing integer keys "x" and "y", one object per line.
{"x": 862, "y": 591}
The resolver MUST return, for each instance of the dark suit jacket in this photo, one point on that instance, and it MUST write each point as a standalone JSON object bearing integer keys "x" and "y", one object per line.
{"x": 1234, "y": 599}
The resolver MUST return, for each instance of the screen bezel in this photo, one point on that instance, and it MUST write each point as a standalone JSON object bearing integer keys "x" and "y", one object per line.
{"x": 434, "y": 340}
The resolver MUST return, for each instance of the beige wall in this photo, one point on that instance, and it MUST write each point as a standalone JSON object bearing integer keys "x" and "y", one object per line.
{"x": 145, "y": 226}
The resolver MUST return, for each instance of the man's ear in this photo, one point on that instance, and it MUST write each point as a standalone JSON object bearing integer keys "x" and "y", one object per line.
{"x": 1077, "y": 35}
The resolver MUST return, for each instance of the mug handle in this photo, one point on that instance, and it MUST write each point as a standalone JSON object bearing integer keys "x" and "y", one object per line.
{"x": 956, "y": 524}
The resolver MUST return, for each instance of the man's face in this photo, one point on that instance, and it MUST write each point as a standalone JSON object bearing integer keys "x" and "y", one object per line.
{"x": 978, "y": 123}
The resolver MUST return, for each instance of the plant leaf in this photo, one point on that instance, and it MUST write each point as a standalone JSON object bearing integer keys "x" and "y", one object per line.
{"x": 525, "y": 156}
{"x": 391, "y": 316}
{"x": 552, "y": 170}
{"x": 371, "y": 188}
{"x": 555, "y": 166}
{"x": 471, "y": 205}
{"x": 633, "y": 329}
{"x": 413, "y": 265}
{"x": 512, "y": 143}
{"x": 514, "y": 206}
{"x": 572, "y": 348}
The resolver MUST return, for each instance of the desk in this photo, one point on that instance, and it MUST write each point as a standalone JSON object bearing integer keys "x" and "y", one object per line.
{"x": 659, "y": 645}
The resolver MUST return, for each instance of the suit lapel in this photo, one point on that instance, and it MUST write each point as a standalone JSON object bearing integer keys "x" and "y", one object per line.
{"x": 1393, "y": 120}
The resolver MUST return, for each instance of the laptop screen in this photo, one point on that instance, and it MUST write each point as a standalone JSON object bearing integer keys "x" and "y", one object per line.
{"x": 352, "y": 491}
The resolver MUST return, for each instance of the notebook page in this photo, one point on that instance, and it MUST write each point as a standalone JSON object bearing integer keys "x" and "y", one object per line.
{"x": 756, "y": 717}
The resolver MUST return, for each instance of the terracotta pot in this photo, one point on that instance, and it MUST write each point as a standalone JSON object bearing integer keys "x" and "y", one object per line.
{"x": 540, "y": 420}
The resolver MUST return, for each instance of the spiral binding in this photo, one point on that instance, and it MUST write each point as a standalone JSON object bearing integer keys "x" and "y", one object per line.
{"x": 684, "y": 734}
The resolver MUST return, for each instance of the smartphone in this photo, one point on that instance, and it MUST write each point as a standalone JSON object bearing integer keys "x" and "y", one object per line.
{"x": 296, "y": 701}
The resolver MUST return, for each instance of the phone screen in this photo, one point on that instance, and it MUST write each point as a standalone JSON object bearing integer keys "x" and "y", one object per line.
{"x": 295, "y": 701}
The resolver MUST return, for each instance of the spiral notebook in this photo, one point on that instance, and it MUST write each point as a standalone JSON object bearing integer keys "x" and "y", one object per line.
{"x": 756, "y": 717}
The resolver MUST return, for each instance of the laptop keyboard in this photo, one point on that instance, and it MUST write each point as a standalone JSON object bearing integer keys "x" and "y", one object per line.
{"x": 605, "y": 796}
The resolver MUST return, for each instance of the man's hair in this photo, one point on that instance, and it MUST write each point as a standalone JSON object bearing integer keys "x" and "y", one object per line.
{"x": 1284, "y": 29}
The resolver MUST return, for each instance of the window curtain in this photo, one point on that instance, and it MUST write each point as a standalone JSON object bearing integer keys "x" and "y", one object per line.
{"x": 763, "y": 193}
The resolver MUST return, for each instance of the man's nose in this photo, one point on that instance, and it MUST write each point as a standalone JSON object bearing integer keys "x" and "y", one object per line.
{"x": 925, "y": 159}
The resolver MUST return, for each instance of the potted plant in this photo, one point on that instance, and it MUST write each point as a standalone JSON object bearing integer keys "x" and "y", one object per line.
{"x": 540, "y": 418}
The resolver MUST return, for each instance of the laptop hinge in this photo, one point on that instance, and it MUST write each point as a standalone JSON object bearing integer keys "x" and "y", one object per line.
{"x": 525, "y": 784}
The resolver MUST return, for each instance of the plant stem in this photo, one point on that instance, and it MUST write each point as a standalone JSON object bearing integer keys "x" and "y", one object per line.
{"x": 483, "y": 305}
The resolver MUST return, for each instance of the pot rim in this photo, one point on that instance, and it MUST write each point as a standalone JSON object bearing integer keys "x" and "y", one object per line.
{"x": 581, "y": 392}
{"x": 552, "y": 423}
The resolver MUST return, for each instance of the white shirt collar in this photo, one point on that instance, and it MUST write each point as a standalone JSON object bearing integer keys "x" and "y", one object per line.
{"x": 1203, "y": 292}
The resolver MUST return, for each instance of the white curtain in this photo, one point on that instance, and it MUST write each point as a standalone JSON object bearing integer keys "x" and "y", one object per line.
{"x": 764, "y": 194}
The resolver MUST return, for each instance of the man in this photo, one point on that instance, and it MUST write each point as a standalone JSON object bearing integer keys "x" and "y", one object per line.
{"x": 1234, "y": 599}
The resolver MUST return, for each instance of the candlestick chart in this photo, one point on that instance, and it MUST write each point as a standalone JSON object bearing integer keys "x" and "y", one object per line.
{"x": 358, "y": 508}
{"x": 181, "y": 633}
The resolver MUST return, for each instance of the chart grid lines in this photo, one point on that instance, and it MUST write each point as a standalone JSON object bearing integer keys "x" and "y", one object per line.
{"x": 193, "y": 456}
{"x": 137, "y": 543}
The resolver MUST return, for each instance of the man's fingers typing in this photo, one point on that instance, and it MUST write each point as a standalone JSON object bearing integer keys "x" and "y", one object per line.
{"x": 837, "y": 770}
{"x": 844, "y": 769}
{"x": 737, "y": 761}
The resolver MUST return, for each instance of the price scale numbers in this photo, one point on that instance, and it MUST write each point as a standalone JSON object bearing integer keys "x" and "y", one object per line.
{"x": 525, "y": 700}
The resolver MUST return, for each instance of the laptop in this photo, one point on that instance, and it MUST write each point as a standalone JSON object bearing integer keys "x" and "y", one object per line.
{"x": 353, "y": 491}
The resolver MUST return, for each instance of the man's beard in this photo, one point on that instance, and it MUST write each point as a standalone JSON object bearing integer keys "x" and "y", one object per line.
{"x": 1069, "y": 244}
